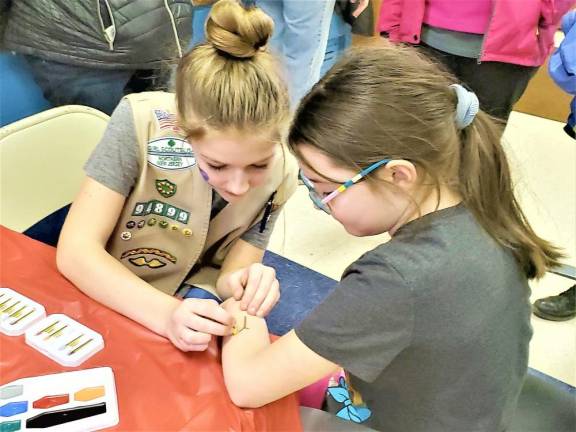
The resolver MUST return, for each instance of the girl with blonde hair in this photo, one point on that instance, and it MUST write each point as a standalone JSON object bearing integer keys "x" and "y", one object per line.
{"x": 183, "y": 190}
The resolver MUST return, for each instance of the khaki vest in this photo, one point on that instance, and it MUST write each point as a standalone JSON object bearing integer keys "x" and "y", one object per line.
{"x": 164, "y": 229}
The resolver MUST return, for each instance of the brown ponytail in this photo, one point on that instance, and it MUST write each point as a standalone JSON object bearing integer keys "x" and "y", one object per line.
{"x": 393, "y": 103}
{"x": 487, "y": 190}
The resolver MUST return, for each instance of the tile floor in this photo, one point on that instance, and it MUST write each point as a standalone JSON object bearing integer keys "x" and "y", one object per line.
{"x": 543, "y": 160}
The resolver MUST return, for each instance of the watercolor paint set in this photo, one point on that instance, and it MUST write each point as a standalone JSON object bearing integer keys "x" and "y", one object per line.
{"x": 76, "y": 401}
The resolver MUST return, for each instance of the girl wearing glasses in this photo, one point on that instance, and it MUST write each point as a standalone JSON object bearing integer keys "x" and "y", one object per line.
{"x": 432, "y": 328}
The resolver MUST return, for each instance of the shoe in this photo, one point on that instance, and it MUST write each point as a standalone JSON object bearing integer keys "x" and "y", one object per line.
{"x": 560, "y": 307}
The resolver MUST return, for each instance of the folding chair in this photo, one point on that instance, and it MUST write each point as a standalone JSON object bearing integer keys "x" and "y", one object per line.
{"x": 42, "y": 160}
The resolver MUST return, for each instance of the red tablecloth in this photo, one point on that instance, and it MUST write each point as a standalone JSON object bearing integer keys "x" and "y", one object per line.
{"x": 158, "y": 386}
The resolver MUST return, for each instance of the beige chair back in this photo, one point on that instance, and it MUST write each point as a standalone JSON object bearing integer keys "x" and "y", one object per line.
{"x": 41, "y": 162}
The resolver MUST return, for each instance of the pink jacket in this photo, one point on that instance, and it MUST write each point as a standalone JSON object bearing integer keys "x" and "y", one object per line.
{"x": 519, "y": 32}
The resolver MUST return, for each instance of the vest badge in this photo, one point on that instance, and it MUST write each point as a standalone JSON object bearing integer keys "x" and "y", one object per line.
{"x": 148, "y": 257}
{"x": 170, "y": 154}
{"x": 160, "y": 208}
{"x": 166, "y": 188}
{"x": 166, "y": 121}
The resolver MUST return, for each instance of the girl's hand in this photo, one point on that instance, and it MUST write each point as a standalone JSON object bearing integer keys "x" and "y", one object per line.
{"x": 194, "y": 321}
{"x": 256, "y": 287}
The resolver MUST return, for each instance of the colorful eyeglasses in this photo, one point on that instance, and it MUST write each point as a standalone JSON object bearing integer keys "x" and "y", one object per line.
{"x": 321, "y": 202}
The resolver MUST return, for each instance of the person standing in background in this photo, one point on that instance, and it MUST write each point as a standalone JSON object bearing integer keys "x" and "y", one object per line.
{"x": 493, "y": 46}
{"x": 93, "y": 52}
{"x": 300, "y": 38}
{"x": 562, "y": 68}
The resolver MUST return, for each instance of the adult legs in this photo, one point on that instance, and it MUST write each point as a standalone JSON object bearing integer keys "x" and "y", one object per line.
{"x": 65, "y": 84}
{"x": 498, "y": 85}
{"x": 301, "y": 38}
{"x": 275, "y": 10}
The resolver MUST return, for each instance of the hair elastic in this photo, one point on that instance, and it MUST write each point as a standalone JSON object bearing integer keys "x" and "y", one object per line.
{"x": 467, "y": 108}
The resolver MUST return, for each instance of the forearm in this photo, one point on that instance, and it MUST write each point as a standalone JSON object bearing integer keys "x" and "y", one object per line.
{"x": 257, "y": 372}
{"x": 102, "y": 277}
{"x": 239, "y": 353}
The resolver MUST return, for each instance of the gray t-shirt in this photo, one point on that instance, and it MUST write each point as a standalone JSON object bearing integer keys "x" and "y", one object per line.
{"x": 432, "y": 327}
{"x": 115, "y": 163}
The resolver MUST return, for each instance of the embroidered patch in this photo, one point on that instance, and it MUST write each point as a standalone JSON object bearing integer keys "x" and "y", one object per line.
{"x": 170, "y": 154}
{"x": 166, "y": 188}
{"x": 149, "y": 251}
{"x": 126, "y": 235}
{"x": 167, "y": 121}
{"x": 152, "y": 263}
{"x": 161, "y": 209}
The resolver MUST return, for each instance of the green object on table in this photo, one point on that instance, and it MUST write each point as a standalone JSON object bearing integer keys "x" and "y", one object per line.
{"x": 10, "y": 426}
{"x": 11, "y": 391}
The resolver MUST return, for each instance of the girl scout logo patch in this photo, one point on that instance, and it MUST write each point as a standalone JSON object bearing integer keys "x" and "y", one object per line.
{"x": 165, "y": 188}
{"x": 170, "y": 154}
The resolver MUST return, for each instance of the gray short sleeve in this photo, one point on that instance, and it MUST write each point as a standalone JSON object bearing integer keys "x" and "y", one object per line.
{"x": 115, "y": 162}
{"x": 365, "y": 322}
{"x": 261, "y": 239}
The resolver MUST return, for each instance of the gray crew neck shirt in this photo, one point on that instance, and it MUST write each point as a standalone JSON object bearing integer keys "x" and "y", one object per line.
{"x": 432, "y": 327}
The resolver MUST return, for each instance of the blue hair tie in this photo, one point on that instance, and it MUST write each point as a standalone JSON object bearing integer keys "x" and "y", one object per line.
{"x": 467, "y": 108}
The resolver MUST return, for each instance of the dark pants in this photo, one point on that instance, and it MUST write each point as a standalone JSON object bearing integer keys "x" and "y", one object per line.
{"x": 497, "y": 85}
{"x": 65, "y": 84}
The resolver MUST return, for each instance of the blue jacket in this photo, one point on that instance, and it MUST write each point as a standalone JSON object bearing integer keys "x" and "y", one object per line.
{"x": 562, "y": 66}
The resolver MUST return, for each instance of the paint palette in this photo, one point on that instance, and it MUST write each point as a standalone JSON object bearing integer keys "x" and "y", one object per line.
{"x": 64, "y": 340}
{"x": 18, "y": 312}
{"x": 65, "y": 402}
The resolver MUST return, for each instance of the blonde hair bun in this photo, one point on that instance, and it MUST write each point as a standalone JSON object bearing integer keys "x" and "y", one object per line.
{"x": 238, "y": 31}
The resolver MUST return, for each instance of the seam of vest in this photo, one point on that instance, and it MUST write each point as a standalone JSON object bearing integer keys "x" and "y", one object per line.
{"x": 192, "y": 263}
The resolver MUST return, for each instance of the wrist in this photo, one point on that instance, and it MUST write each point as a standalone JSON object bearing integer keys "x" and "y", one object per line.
{"x": 223, "y": 287}
{"x": 167, "y": 313}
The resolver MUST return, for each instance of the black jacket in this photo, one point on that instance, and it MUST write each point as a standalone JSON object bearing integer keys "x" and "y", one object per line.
{"x": 118, "y": 34}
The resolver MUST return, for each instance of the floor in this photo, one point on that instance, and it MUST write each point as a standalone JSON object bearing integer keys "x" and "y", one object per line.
{"x": 543, "y": 160}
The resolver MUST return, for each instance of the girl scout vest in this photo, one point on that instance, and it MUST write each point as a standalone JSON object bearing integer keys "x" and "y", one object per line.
{"x": 165, "y": 230}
